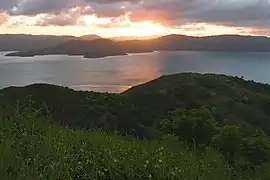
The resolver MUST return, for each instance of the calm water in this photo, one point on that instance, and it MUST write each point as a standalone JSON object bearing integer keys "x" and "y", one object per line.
{"x": 116, "y": 74}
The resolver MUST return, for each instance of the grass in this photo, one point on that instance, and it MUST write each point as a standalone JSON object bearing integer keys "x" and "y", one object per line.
{"x": 33, "y": 148}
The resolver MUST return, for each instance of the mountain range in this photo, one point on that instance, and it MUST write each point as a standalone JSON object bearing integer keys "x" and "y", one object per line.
{"x": 25, "y": 42}
{"x": 90, "y": 49}
{"x": 94, "y": 46}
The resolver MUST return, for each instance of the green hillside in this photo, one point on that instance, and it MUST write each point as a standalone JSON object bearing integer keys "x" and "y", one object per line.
{"x": 206, "y": 126}
{"x": 33, "y": 148}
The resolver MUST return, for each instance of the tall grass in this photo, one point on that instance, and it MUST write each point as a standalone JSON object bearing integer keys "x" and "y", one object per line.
{"x": 32, "y": 147}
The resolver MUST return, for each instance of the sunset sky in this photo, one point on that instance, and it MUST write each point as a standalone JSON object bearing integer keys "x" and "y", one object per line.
{"x": 110, "y": 18}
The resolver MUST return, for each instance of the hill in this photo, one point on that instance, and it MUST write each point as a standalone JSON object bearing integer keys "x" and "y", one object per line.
{"x": 90, "y": 37}
{"x": 136, "y": 46}
{"x": 191, "y": 111}
{"x": 133, "y": 38}
{"x": 229, "y": 43}
{"x": 89, "y": 49}
{"x": 22, "y": 42}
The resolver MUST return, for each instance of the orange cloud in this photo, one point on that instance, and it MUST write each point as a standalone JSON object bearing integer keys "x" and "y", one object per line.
{"x": 3, "y": 18}
{"x": 80, "y": 20}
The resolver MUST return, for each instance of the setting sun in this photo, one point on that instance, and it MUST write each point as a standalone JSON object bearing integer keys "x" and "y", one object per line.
{"x": 123, "y": 26}
{"x": 145, "y": 28}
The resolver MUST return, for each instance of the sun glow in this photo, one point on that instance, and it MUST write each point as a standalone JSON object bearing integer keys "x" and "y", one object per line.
{"x": 146, "y": 28}
{"x": 123, "y": 26}
{"x": 79, "y": 24}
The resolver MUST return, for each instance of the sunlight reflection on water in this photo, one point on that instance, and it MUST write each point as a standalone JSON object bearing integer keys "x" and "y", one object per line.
{"x": 116, "y": 74}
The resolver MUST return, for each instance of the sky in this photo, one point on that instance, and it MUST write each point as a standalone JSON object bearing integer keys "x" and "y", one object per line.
{"x": 143, "y": 18}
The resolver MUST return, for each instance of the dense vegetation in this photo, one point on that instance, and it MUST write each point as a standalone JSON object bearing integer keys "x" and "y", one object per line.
{"x": 208, "y": 126}
{"x": 34, "y": 148}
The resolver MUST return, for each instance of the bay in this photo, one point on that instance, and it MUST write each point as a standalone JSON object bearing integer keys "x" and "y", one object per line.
{"x": 117, "y": 74}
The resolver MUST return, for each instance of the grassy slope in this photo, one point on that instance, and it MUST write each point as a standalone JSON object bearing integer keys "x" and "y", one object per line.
{"x": 34, "y": 148}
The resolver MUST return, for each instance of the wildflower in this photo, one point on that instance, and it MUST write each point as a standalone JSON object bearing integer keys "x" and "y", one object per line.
{"x": 147, "y": 162}
{"x": 150, "y": 176}
{"x": 160, "y": 161}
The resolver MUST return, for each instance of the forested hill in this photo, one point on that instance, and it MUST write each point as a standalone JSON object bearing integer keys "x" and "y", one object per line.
{"x": 231, "y": 100}
{"x": 226, "y": 113}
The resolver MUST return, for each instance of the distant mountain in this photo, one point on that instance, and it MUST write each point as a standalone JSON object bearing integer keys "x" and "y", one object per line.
{"x": 21, "y": 42}
{"x": 230, "y": 43}
{"x": 136, "y": 46}
{"x": 103, "y": 47}
{"x": 90, "y": 37}
{"x": 89, "y": 49}
{"x": 129, "y": 38}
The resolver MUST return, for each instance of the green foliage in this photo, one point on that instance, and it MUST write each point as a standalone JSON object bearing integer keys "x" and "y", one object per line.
{"x": 226, "y": 113}
{"x": 257, "y": 148}
{"x": 34, "y": 148}
{"x": 196, "y": 124}
{"x": 228, "y": 141}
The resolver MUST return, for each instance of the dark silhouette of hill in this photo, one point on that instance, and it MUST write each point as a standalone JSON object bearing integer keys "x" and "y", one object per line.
{"x": 90, "y": 37}
{"x": 213, "y": 43}
{"x": 103, "y": 48}
{"x": 22, "y": 42}
{"x": 89, "y": 49}
{"x": 136, "y": 46}
{"x": 131, "y": 38}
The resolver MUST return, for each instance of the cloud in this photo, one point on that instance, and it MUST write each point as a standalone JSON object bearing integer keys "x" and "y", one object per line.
{"x": 34, "y": 7}
{"x": 229, "y": 12}
{"x": 57, "y": 20}
{"x": 69, "y": 17}
{"x": 113, "y": 1}
{"x": 3, "y": 18}
{"x": 60, "y": 12}
{"x": 7, "y": 4}
{"x": 235, "y": 13}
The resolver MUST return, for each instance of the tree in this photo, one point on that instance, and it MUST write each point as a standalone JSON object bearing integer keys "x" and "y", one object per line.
{"x": 228, "y": 141}
{"x": 189, "y": 125}
{"x": 257, "y": 148}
